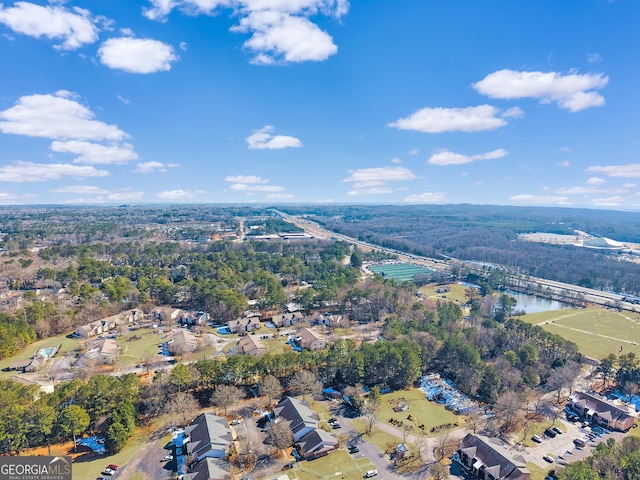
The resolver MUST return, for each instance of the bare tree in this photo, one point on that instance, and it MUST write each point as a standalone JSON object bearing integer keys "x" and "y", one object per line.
{"x": 247, "y": 451}
{"x": 279, "y": 434}
{"x": 507, "y": 410}
{"x": 225, "y": 396}
{"x": 439, "y": 471}
{"x": 372, "y": 417}
{"x": 270, "y": 387}
{"x": 183, "y": 404}
{"x": 474, "y": 420}
{"x": 305, "y": 383}
{"x": 442, "y": 446}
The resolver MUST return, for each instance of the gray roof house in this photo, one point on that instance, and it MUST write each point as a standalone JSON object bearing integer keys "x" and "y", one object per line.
{"x": 486, "y": 460}
{"x": 209, "y": 437}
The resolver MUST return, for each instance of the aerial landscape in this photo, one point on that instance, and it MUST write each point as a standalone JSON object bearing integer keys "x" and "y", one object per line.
{"x": 319, "y": 239}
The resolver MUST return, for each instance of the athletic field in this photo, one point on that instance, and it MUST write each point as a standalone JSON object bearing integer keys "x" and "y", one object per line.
{"x": 402, "y": 272}
{"x": 597, "y": 331}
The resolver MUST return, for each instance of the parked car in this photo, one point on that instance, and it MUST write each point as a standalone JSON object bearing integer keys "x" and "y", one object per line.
{"x": 547, "y": 458}
{"x": 167, "y": 458}
{"x": 557, "y": 430}
{"x": 108, "y": 471}
{"x": 287, "y": 466}
{"x": 580, "y": 442}
{"x": 235, "y": 422}
{"x": 353, "y": 449}
{"x": 537, "y": 439}
{"x": 335, "y": 425}
{"x": 113, "y": 466}
{"x": 371, "y": 473}
{"x": 550, "y": 433}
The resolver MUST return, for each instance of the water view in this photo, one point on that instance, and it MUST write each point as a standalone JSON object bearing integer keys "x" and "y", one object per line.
{"x": 533, "y": 304}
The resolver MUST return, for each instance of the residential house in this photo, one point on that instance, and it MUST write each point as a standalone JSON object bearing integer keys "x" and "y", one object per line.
{"x": 317, "y": 443}
{"x": 209, "y": 469}
{"x": 30, "y": 365}
{"x": 165, "y": 313}
{"x": 330, "y": 320}
{"x": 303, "y": 423}
{"x": 485, "y": 459}
{"x": 287, "y": 319}
{"x": 90, "y": 330}
{"x": 182, "y": 341}
{"x": 251, "y": 345}
{"x": 106, "y": 350}
{"x": 209, "y": 436}
{"x": 309, "y": 339}
{"x": 244, "y": 324}
{"x": 597, "y": 410}
{"x": 46, "y": 387}
{"x": 194, "y": 318}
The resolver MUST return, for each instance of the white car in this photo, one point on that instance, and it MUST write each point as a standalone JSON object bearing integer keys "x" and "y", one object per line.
{"x": 108, "y": 471}
{"x": 167, "y": 458}
{"x": 371, "y": 473}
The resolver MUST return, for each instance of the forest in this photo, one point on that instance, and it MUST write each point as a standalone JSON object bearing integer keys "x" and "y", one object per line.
{"x": 489, "y": 234}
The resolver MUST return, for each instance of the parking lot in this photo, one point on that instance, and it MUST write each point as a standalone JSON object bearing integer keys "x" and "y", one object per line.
{"x": 562, "y": 449}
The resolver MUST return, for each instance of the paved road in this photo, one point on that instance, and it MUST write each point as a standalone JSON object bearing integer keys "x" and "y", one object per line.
{"x": 148, "y": 461}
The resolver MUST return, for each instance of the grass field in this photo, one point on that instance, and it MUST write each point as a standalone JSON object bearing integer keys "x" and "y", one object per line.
{"x": 338, "y": 464}
{"x": 382, "y": 439}
{"x": 402, "y": 272}
{"x": 456, "y": 292}
{"x": 596, "y": 331}
{"x": 421, "y": 410}
{"x": 66, "y": 345}
{"x": 133, "y": 351}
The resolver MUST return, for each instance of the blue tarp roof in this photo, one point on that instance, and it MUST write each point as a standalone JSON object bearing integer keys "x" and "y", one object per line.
{"x": 94, "y": 443}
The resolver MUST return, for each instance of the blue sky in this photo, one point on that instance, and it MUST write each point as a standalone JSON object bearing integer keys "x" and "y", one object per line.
{"x": 533, "y": 102}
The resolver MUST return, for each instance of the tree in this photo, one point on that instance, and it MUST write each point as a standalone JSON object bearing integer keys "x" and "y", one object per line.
{"x": 73, "y": 420}
{"x": 305, "y": 383}
{"x": 279, "y": 434}
{"x": 180, "y": 377}
{"x": 439, "y": 471}
{"x": 270, "y": 387}
{"x": 507, "y": 410}
{"x": 504, "y": 307}
{"x": 225, "y": 396}
{"x": 353, "y": 397}
{"x": 116, "y": 437}
{"x": 606, "y": 370}
{"x": 371, "y": 414}
{"x": 356, "y": 259}
{"x": 183, "y": 404}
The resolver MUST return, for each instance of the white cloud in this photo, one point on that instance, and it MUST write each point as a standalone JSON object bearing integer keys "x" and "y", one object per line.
{"x": 74, "y": 27}
{"x": 413, "y": 151}
{"x": 152, "y": 167}
{"x": 595, "y": 181}
{"x": 396, "y": 160}
{"x": 631, "y": 170}
{"x": 20, "y": 172}
{"x": 94, "y": 153}
{"x": 370, "y": 191}
{"x": 81, "y": 189}
{"x": 427, "y": 197}
{"x": 281, "y": 37}
{"x": 179, "y": 194}
{"x": 137, "y": 55}
{"x": 263, "y": 140}
{"x": 594, "y": 57}
{"x": 124, "y": 100}
{"x": 246, "y": 179}
{"x": 280, "y": 30}
{"x": 370, "y": 177}
{"x": 565, "y": 163}
{"x": 608, "y": 201}
{"x": 12, "y": 199}
{"x": 183, "y": 46}
{"x": 56, "y": 117}
{"x": 125, "y": 196}
{"x": 246, "y": 187}
{"x": 573, "y": 92}
{"x": 445, "y": 157}
{"x": 578, "y": 190}
{"x": 513, "y": 112}
{"x": 540, "y": 199}
{"x": 438, "y": 120}
{"x": 279, "y": 196}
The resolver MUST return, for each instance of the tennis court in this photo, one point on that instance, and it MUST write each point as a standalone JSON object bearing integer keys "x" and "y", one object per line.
{"x": 402, "y": 272}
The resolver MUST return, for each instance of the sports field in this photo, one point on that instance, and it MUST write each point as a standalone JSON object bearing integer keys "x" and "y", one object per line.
{"x": 597, "y": 331}
{"x": 402, "y": 272}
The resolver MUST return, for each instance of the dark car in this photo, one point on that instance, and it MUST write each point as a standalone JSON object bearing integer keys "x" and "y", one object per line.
{"x": 557, "y": 430}
{"x": 353, "y": 449}
{"x": 547, "y": 458}
{"x": 536, "y": 439}
{"x": 550, "y": 433}
{"x": 287, "y": 466}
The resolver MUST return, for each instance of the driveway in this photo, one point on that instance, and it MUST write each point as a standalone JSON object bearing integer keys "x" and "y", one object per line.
{"x": 148, "y": 461}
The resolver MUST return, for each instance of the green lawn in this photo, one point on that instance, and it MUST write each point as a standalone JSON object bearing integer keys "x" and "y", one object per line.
{"x": 456, "y": 293}
{"x": 589, "y": 329}
{"x": 134, "y": 351}
{"x": 537, "y": 473}
{"x": 380, "y": 438}
{"x": 66, "y": 345}
{"x": 338, "y": 464}
{"x": 422, "y": 411}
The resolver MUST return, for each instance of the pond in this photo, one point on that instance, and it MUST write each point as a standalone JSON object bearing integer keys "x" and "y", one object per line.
{"x": 533, "y": 304}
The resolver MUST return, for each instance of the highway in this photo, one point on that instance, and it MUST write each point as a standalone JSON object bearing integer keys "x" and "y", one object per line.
{"x": 590, "y": 295}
